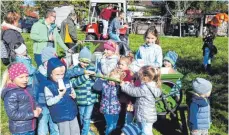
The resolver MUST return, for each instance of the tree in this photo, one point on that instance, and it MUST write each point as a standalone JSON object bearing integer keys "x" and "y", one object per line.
{"x": 11, "y": 6}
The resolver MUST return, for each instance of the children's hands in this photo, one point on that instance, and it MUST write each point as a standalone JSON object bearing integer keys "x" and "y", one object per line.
{"x": 61, "y": 92}
{"x": 37, "y": 112}
{"x": 73, "y": 95}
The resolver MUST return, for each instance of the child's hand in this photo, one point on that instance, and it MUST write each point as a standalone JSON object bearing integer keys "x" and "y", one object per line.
{"x": 39, "y": 110}
{"x": 73, "y": 95}
{"x": 88, "y": 72}
{"x": 61, "y": 92}
{"x": 36, "y": 112}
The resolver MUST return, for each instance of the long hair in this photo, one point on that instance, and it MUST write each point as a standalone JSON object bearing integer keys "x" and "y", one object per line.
{"x": 5, "y": 79}
{"x": 152, "y": 30}
{"x": 149, "y": 73}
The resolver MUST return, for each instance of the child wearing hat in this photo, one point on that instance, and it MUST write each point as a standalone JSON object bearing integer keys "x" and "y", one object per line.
{"x": 45, "y": 122}
{"x": 169, "y": 63}
{"x": 82, "y": 84}
{"x": 199, "y": 111}
{"x": 19, "y": 102}
{"x": 22, "y": 57}
{"x": 110, "y": 58}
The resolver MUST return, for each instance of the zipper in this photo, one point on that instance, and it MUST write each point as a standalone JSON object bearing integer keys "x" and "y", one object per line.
{"x": 31, "y": 101}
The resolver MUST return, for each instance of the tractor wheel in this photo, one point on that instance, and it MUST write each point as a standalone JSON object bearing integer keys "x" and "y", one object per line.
{"x": 90, "y": 37}
{"x": 168, "y": 102}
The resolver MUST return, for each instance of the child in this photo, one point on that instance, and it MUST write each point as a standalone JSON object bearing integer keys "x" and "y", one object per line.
{"x": 110, "y": 58}
{"x": 18, "y": 101}
{"x": 82, "y": 84}
{"x": 39, "y": 81}
{"x": 22, "y": 57}
{"x": 60, "y": 100}
{"x": 109, "y": 104}
{"x": 199, "y": 112}
{"x": 169, "y": 63}
{"x": 145, "y": 109}
{"x": 150, "y": 52}
{"x": 209, "y": 50}
{"x": 124, "y": 63}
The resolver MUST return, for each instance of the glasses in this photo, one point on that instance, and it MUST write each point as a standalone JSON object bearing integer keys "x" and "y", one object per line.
{"x": 53, "y": 16}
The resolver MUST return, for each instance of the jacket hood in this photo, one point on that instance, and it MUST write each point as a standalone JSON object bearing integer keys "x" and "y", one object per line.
{"x": 7, "y": 26}
{"x": 200, "y": 101}
{"x": 52, "y": 64}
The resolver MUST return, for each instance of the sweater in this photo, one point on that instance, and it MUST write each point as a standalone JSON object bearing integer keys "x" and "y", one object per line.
{"x": 40, "y": 36}
{"x": 150, "y": 54}
{"x": 106, "y": 13}
{"x": 114, "y": 26}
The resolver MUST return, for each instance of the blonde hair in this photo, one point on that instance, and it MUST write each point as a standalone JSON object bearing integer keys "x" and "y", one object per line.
{"x": 5, "y": 79}
{"x": 149, "y": 73}
{"x": 117, "y": 74}
{"x": 127, "y": 59}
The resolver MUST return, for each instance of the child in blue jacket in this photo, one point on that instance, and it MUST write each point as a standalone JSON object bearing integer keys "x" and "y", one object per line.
{"x": 199, "y": 111}
{"x": 19, "y": 102}
{"x": 61, "y": 101}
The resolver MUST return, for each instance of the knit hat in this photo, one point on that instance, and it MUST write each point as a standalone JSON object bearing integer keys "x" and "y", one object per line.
{"x": 17, "y": 69}
{"x": 171, "y": 56}
{"x": 52, "y": 64}
{"x": 48, "y": 53}
{"x": 109, "y": 46}
{"x": 85, "y": 55}
{"x": 201, "y": 86}
{"x": 21, "y": 49}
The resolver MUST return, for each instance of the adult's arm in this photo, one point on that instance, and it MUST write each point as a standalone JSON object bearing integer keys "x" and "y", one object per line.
{"x": 59, "y": 40}
{"x": 72, "y": 31}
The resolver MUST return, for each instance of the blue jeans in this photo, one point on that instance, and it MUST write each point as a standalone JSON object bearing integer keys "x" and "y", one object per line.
{"x": 43, "y": 123}
{"x": 111, "y": 121}
{"x": 114, "y": 37}
{"x": 207, "y": 59}
{"x": 37, "y": 58}
{"x": 146, "y": 128}
{"x": 85, "y": 118}
{"x": 129, "y": 117}
{"x": 26, "y": 133}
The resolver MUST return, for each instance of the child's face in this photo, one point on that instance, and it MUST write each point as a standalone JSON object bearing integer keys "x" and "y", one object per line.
{"x": 21, "y": 80}
{"x": 123, "y": 65}
{"x": 108, "y": 52}
{"x": 58, "y": 73}
{"x": 167, "y": 64}
{"x": 83, "y": 64}
{"x": 150, "y": 38}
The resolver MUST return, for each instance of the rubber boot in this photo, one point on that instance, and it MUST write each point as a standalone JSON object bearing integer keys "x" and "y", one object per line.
{"x": 208, "y": 69}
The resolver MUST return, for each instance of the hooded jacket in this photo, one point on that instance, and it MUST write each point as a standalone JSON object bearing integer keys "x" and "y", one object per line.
{"x": 40, "y": 36}
{"x": 19, "y": 106}
{"x": 199, "y": 115}
{"x": 145, "y": 109}
{"x": 10, "y": 36}
{"x": 65, "y": 108}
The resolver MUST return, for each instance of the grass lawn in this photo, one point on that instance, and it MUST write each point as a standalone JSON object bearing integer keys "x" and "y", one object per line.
{"x": 189, "y": 62}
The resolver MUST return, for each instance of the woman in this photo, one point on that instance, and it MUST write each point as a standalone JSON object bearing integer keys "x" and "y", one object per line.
{"x": 11, "y": 34}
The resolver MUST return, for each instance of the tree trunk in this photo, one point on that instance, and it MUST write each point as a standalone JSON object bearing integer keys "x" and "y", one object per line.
{"x": 201, "y": 26}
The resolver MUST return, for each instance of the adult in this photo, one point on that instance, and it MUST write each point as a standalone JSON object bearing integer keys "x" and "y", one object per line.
{"x": 70, "y": 23}
{"x": 11, "y": 34}
{"x": 44, "y": 33}
{"x": 115, "y": 26}
{"x": 105, "y": 15}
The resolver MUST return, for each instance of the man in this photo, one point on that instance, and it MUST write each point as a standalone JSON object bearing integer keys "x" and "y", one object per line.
{"x": 106, "y": 15}
{"x": 44, "y": 33}
{"x": 70, "y": 21}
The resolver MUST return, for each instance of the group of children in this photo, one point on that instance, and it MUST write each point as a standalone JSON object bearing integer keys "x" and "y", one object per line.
{"x": 58, "y": 94}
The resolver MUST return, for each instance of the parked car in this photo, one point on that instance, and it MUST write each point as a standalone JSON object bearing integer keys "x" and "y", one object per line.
{"x": 27, "y": 23}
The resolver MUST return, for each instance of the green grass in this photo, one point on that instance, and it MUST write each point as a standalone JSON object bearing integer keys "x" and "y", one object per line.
{"x": 189, "y": 50}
